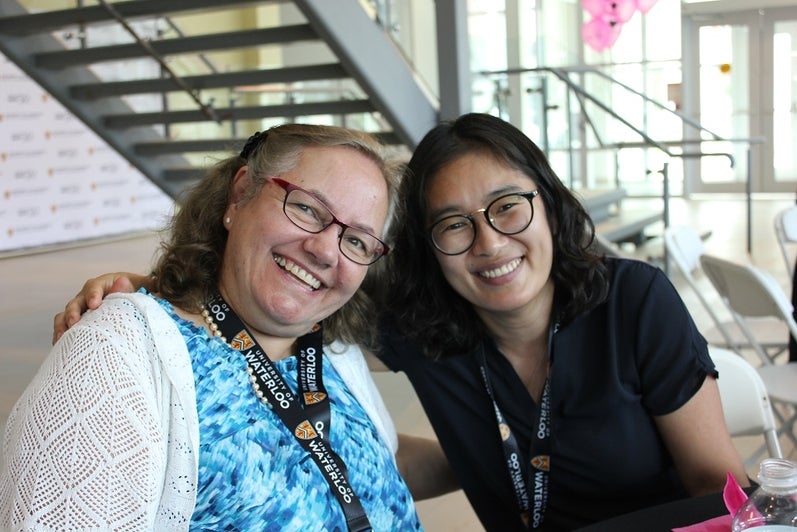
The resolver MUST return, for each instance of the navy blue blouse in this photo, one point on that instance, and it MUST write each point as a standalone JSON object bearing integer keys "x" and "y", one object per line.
{"x": 637, "y": 355}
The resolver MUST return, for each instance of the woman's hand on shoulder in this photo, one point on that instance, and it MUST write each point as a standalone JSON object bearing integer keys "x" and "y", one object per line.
{"x": 92, "y": 294}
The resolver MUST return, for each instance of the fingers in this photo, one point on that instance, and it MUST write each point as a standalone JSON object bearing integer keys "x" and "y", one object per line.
{"x": 122, "y": 284}
{"x": 71, "y": 313}
{"x": 59, "y": 326}
{"x": 89, "y": 298}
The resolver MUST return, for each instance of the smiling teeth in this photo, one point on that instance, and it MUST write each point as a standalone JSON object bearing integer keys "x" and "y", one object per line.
{"x": 503, "y": 270}
{"x": 301, "y": 274}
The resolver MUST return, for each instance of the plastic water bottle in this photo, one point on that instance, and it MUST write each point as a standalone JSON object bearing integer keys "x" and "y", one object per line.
{"x": 773, "y": 506}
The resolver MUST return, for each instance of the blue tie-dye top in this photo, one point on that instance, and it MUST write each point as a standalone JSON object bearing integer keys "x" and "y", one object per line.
{"x": 254, "y": 475}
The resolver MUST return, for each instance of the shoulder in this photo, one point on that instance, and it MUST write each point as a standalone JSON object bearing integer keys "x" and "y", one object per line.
{"x": 121, "y": 317}
{"x": 632, "y": 277}
{"x": 136, "y": 304}
{"x": 134, "y": 324}
{"x": 348, "y": 360}
{"x": 632, "y": 269}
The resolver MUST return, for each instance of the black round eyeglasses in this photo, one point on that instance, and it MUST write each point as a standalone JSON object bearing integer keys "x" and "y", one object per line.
{"x": 508, "y": 214}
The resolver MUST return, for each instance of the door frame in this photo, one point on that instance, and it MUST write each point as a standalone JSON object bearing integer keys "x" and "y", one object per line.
{"x": 760, "y": 23}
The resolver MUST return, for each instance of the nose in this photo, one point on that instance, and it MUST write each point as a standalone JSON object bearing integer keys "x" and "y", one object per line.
{"x": 325, "y": 245}
{"x": 488, "y": 240}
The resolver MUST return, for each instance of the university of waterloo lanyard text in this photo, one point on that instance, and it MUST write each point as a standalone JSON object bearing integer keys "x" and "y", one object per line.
{"x": 532, "y": 507}
{"x": 310, "y": 425}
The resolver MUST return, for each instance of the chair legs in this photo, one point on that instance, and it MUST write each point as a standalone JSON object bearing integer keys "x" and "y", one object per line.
{"x": 786, "y": 421}
{"x": 780, "y": 381}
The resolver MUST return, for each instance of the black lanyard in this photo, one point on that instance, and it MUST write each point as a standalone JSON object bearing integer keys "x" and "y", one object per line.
{"x": 268, "y": 383}
{"x": 532, "y": 504}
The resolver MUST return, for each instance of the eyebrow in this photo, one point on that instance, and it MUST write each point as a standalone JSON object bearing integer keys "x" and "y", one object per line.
{"x": 354, "y": 225}
{"x": 456, "y": 209}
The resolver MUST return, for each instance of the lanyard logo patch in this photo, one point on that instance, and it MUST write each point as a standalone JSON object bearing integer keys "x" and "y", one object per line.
{"x": 541, "y": 462}
{"x": 311, "y": 398}
{"x": 305, "y": 431}
{"x": 242, "y": 341}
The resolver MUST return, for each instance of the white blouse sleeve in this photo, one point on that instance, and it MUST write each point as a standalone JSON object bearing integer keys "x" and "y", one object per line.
{"x": 86, "y": 445}
{"x": 352, "y": 367}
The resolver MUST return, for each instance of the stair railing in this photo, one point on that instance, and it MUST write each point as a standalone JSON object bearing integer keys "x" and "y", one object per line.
{"x": 582, "y": 96}
{"x": 207, "y": 109}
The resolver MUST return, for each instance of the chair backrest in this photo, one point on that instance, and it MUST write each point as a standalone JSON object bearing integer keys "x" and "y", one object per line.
{"x": 685, "y": 247}
{"x": 749, "y": 292}
{"x": 745, "y": 402}
{"x": 786, "y": 232}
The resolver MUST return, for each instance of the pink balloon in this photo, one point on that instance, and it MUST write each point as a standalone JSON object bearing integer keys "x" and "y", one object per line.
{"x": 644, "y": 5}
{"x": 619, "y": 10}
{"x": 600, "y": 33}
{"x": 594, "y": 7}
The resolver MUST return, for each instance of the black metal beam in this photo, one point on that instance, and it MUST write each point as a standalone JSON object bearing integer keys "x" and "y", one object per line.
{"x": 182, "y": 45}
{"x": 92, "y": 91}
{"x": 372, "y": 59}
{"x": 231, "y": 145}
{"x": 32, "y": 23}
{"x": 293, "y": 110}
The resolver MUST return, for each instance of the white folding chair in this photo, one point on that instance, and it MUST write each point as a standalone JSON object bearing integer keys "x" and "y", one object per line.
{"x": 786, "y": 232}
{"x": 750, "y": 293}
{"x": 685, "y": 247}
{"x": 745, "y": 401}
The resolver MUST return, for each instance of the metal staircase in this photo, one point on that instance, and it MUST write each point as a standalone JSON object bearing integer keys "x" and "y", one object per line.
{"x": 334, "y": 61}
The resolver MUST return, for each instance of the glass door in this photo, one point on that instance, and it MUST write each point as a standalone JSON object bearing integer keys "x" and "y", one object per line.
{"x": 740, "y": 70}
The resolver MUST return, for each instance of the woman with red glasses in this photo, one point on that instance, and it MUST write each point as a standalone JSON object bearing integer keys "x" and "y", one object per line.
{"x": 227, "y": 396}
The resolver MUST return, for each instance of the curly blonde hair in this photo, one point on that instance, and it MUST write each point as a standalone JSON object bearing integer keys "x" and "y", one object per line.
{"x": 187, "y": 270}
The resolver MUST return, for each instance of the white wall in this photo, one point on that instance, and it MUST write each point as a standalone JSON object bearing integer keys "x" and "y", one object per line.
{"x": 59, "y": 182}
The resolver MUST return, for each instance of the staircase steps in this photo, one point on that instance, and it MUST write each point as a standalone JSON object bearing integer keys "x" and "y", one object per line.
{"x": 94, "y": 91}
{"x": 321, "y": 71}
{"x": 348, "y": 77}
{"x": 333, "y": 107}
{"x": 184, "y": 45}
{"x": 34, "y": 23}
{"x": 226, "y": 144}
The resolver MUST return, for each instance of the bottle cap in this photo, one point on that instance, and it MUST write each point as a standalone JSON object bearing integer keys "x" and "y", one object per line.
{"x": 778, "y": 473}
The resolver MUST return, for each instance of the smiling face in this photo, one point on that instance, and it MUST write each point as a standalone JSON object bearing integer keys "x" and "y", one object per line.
{"x": 281, "y": 279}
{"x": 500, "y": 273}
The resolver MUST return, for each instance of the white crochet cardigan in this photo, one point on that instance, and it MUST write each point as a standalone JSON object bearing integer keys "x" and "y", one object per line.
{"x": 106, "y": 435}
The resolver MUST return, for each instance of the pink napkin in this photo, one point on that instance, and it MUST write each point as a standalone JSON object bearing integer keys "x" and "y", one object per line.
{"x": 734, "y": 497}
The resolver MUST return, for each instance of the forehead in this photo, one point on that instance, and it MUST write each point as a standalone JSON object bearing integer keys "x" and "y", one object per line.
{"x": 474, "y": 178}
{"x": 348, "y": 181}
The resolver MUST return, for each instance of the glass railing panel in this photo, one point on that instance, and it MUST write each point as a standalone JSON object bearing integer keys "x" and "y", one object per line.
{"x": 412, "y": 26}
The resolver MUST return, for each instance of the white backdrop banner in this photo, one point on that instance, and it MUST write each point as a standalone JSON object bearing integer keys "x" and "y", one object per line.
{"x": 59, "y": 181}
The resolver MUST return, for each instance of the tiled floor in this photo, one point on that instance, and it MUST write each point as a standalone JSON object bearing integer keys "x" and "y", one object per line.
{"x": 34, "y": 287}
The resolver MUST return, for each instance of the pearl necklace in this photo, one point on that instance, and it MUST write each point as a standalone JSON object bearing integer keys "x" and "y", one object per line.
{"x": 214, "y": 329}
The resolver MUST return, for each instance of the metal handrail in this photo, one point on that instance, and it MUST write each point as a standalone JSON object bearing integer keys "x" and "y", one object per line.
{"x": 562, "y": 75}
{"x": 205, "y": 108}
{"x": 202, "y": 57}
{"x": 582, "y": 96}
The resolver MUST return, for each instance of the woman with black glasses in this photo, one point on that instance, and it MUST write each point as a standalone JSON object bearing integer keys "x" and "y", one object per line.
{"x": 564, "y": 387}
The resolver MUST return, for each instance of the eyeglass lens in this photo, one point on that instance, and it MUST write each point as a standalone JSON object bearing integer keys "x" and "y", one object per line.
{"x": 307, "y": 212}
{"x": 509, "y": 214}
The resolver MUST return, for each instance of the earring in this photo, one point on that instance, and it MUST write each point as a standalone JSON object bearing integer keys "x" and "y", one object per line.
{"x": 227, "y": 220}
